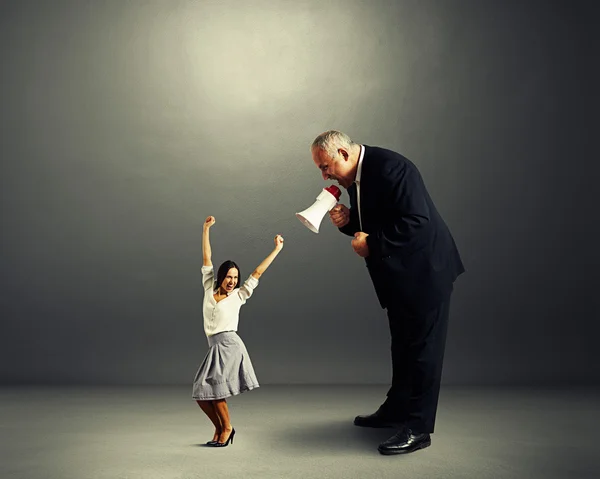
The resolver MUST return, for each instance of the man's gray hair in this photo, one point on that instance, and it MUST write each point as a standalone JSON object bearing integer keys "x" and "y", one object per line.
{"x": 330, "y": 141}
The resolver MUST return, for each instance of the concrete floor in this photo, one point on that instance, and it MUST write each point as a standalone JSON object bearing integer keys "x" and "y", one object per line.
{"x": 292, "y": 432}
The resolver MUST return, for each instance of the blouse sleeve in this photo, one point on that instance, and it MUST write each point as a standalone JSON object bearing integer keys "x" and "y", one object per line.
{"x": 208, "y": 277}
{"x": 246, "y": 290}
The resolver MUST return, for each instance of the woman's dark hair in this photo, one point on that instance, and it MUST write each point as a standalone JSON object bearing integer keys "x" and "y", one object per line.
{"x": 223, "y": 270}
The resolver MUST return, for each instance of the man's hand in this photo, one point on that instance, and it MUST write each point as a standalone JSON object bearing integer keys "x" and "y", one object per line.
{"x": 359, "y": 244}
{"x": 340, "y": 215}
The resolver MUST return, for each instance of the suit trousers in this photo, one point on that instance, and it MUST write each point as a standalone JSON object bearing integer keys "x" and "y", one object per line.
{"x": 418, "y": 344}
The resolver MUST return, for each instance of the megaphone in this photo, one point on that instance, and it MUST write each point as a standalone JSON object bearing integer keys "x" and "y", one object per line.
{"x": 311, "y": 217}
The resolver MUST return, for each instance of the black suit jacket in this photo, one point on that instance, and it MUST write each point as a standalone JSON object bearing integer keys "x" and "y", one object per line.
{"x": 412, "y": 256}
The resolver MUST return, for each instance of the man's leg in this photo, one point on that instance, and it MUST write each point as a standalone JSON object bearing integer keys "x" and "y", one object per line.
{"x": 394, "y": 411}
{"x": 426, "y": 352}
{"x": 426, "y": 344}
{"x": 398, "y": 396}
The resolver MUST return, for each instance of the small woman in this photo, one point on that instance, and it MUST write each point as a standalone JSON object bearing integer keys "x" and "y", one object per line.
{"x": 226, "y": 370}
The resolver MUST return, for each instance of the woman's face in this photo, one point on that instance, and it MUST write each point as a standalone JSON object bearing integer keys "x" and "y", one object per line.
{"x": 230, "y": 281}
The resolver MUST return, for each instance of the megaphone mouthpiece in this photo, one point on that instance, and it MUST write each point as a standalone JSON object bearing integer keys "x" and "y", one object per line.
{"x": 335, "y": 191}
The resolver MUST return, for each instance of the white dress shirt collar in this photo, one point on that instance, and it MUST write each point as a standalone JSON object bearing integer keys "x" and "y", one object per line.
{"x": 359, "y": 167}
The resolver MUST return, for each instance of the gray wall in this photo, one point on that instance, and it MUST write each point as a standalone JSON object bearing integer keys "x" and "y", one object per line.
{"x": 125, "y": 124}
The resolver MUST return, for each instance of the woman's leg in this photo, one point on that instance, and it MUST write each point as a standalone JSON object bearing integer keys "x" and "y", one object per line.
{"x": 209, "y": 409}
{"x": 223, "y": 413}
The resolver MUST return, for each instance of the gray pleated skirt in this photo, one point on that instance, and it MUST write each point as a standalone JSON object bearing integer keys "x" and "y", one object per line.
{"x": 226, "y": 370}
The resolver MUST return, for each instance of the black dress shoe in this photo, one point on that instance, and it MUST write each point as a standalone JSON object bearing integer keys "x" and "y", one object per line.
{"x": 404, "y": 442}
{"x": 377, "y": 419}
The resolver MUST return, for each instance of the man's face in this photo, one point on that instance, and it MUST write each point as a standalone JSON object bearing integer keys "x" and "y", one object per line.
{"x": 337, "y": 169}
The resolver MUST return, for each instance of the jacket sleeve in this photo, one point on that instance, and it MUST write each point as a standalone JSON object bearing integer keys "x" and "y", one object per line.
{"x": 353, "y": 225}
{"x": 407, "y": 212}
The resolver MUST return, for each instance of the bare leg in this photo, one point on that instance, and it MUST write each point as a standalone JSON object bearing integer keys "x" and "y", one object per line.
{"x": 209, "y": 409}
{"x": 223, "y": 412}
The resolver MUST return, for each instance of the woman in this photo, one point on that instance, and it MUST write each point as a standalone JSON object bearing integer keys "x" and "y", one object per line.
{"x": 226, "y": 369}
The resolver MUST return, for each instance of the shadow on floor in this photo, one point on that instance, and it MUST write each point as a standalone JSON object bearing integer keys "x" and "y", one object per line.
{"x": 332, "y": 436}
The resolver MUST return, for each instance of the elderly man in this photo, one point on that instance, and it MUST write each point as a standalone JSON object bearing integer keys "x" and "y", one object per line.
{"x": 412, "y": 261}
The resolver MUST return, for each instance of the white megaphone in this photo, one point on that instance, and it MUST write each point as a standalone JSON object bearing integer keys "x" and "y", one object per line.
{"x": 327, "y": 199}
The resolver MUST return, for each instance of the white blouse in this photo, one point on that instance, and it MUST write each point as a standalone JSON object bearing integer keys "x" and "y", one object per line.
{"x": 224, "y": 315}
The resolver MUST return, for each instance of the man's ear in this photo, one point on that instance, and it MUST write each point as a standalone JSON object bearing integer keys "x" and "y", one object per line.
{"x": 344, "y": 153}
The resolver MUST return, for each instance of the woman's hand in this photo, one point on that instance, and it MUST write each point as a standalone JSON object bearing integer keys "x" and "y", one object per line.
{"x": 209, "y": 222}
{"x": 278, "y": 242}
{"x": 262, "y": 267}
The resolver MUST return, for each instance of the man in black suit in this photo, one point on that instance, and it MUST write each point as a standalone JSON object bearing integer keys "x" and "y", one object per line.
{"x": 412, "y": 261}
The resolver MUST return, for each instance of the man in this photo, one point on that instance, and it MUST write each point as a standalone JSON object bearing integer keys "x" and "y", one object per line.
{"x": 412, "y": 261}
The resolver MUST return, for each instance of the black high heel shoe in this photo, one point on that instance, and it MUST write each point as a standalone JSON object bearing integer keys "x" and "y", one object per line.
{"x": 212, "y": 442}
{"x": 226, "y": 443}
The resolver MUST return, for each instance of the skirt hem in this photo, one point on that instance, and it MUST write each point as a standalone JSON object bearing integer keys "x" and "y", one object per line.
{"x": 226, "y": 395}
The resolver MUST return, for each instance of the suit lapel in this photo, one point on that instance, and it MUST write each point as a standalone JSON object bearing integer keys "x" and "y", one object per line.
{"x": 352, "y": 194}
